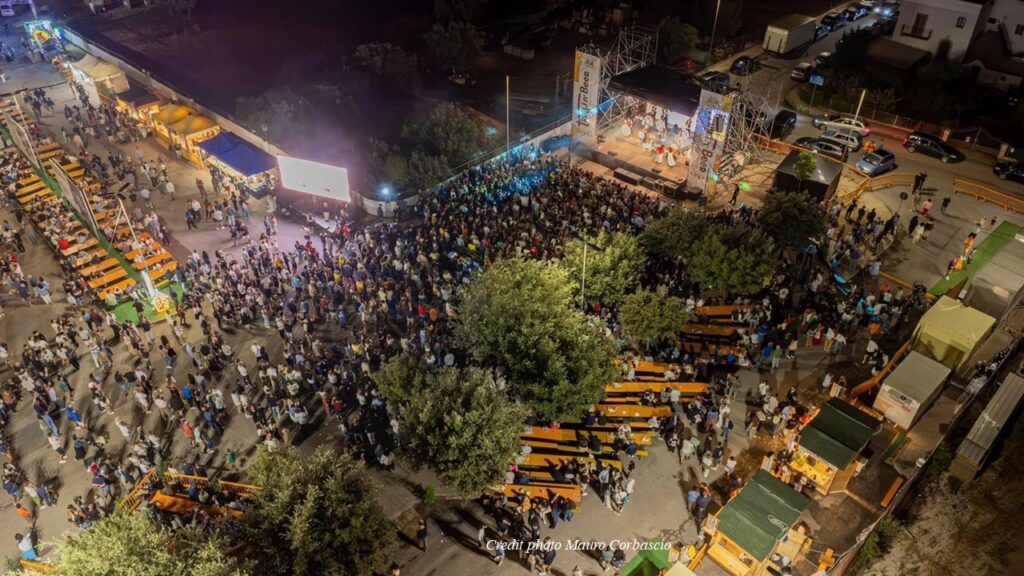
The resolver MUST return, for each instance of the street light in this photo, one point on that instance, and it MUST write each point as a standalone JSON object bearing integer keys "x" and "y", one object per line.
{"x": 583, "y": 284}
{"x": 714, "y": 27}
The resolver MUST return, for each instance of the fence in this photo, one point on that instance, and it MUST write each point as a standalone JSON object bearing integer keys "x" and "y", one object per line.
{"x": 986, "y": 194}
{"x": 134, "y": 499}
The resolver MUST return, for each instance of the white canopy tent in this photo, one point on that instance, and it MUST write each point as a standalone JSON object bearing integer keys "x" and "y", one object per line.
{"x": 91, "y": 72}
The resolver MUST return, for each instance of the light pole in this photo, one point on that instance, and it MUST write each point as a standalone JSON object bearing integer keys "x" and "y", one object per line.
{"x": 583, "y": 284}
{"x": 714, "y": 27}
{"x": 508, "y": 126}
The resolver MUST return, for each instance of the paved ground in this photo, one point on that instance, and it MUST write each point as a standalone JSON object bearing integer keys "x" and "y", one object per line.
{"x": 657, "y": 510}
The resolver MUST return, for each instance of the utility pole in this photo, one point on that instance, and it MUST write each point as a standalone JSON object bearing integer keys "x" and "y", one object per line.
{"x": 508, "y": 126}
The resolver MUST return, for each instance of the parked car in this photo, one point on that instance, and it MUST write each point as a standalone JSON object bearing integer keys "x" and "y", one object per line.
{"x": 821, "y": 59}
{"x": 888, "y": 10}
{"x": 821, "y": 31}
{"x": 840, "y": 122}
{"x": 1009, "y": 171}
{"x": 715, "y": 81}
{"x": 824, "y": 146}
{"x": 855, "y": 12}
{"x": 801, "y": 72}
{"x": 834, "y": 20}
{"x": 743, "y": 66}
{"x": 848, "y": 137}
{"x": 878, "y": 162}
{"x": 932, "y": 145}
{"x": 782, "y": 124}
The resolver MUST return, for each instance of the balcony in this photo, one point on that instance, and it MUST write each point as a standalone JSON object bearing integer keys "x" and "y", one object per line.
{"x": 915, "y": 32}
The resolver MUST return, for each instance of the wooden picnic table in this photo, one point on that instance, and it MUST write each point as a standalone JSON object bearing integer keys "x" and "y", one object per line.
{"x": 161, "y": 271}
{"x": 34, "y": 196}
{"x": 108, "y": 278}
{"x": 30, "y": 189}
{"x": 98, "y": 267}
{"x": 717, "y": 330}
{"x": 122, "y": 286}
{"x": 549, "y": 460}
{"x": 84, "y": 259}
{"x": 573, "y": 436}
{"x": 160, "y": 256}
{"x": 686, "y": 388}
{"x": 726, "y": 310}
{"x": 77, "y": 247}
{"x": 634, "y": 411}
{"x": 545, "y": 490}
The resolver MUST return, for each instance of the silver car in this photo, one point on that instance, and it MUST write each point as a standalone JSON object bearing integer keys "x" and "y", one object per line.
{"x": 837, "y": 122}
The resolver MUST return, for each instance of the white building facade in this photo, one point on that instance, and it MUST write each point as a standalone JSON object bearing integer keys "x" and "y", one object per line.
{"x": 940, "y": 26}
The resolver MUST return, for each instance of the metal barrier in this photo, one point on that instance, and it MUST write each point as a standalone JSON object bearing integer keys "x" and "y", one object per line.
{"x": 876, "y": 380}
{"x": 134, "y": 499}
{"x": 987, "y": 194}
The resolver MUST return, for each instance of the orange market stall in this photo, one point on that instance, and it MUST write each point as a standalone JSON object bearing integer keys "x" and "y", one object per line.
{"x": 139, "y": 102}
{"x": 189, "y": 132}
{"x": 756, "y": 532}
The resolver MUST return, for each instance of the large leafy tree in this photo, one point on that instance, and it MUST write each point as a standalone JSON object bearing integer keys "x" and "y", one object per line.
{"x": 791, "y": 218}
{"x": 676, "y": 39}
{"x": 132, "y": 544}
{"x": 283, "y": 113}
{"x": 387, "y": 62}
{"x": 674, "y": 236}
{"x": 459, "y": 10}
{"x": 456, "y": 421}
{"x": 454, "y": 45}
{"x": 614, "y": 263}
{"x": 518, "y": 316}
{"x": 733, "y": 260}
{"x": 653, "y": 315}
{"x": 316, "y": 514}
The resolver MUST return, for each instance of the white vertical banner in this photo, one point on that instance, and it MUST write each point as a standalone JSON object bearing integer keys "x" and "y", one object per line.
{"x": 586, "y": 91}
{"x": 710, "y": 126}
{"x": 73, "y": 193}
{"x": 21, "y": 139}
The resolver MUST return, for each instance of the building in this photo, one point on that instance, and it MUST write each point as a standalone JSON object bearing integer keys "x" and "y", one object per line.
{"x": 945, "y": 28}
{"x": 998, "y": 48}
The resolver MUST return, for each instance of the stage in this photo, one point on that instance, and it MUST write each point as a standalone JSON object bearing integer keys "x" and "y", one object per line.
{"x": 628, "y": 150}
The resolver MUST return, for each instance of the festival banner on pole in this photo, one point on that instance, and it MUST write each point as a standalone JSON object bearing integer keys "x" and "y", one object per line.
{"x": 73, "y": 193}
{"x": 710, "y": 126}
{"x": 586, "y": 90}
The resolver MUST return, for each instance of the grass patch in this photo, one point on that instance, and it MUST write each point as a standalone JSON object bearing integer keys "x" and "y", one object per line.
{"x": 988, "y": 248}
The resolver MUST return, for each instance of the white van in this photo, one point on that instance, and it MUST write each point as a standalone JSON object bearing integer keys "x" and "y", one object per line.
{"x": 6, "y": 9}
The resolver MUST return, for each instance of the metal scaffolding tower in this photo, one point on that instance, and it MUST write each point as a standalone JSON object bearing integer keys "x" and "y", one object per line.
{"x": 635, "y": 47}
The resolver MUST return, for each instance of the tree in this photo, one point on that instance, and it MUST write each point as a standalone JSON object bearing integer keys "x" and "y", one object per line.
{"x": 674, "y": 236}
{"x": 456, "y": 421}
{"x": 454, "y": 45}
{"x": 132, "y": 544}
{"x": 851, "y": 50}
{"x": 280, "y": 114}
{"x": 733, "y": 261}
{"x": 676, "y": 39}
{"x": 517, "y": 316}
{"x": 387, "y": 62}
{"x": 448, "y": 131}
{"x": 613, "y": 265}
{"x": 181, "y": 11}
{"x": 791, "y": 218}
{"x": 316, "y": 514}
{"x": 805, "y": 165}
{"x": 459, "y": 10}
{"x": 653, "y": 315}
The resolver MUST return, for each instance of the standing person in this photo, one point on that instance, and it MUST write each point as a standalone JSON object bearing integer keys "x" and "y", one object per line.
{"x": 26, "y": 547}
{"x": 926, "y": 207}
{"x": 548, "y": 558}
{"x": 421, "y": 536}
{"x": 945, "y": 204}
{"x": 735, "y": 194}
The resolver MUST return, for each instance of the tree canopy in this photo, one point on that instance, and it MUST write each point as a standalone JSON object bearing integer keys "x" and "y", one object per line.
{"x": 133, "y": 544}
{"x": 675, "y": 235}
{"x": 614, "y": 265}
{"x": 791, "y": 218}
{"x": 653, "y": 315}
{"x": 459, "y": 10}
{"x": 388, "y": 63}
{"x": 734, "y": 260}
{"x": 454, "y": 45}
{"x": 676, "y": 39}
{"x": 285, "y": 114}
{"x": 518, "y": 316}
{"x": 316, "y": 514}
{"x": 456, "y": 421}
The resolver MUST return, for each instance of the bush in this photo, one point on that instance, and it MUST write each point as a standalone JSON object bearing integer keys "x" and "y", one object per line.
{"x": 869, "y": 551}
{"x": 942, "y": 458}
{"x": 888, "y": 528}
{"x": 428, "y": 495}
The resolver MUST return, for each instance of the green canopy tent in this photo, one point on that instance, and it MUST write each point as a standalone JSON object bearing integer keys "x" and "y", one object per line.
{"x": 831, "y": 441}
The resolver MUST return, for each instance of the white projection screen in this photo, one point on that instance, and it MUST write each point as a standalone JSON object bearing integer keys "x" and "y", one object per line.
{"x": 314, "y": 178}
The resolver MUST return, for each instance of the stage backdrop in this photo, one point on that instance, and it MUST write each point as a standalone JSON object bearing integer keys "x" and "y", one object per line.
{"x": 710, "y": 127}
{"x": 586, "y": 91}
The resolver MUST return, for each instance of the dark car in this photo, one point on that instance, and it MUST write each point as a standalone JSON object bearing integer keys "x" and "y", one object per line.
{"x": 932, "y": 146}
{"x": 821, "y": 31}
{"x": 782, "y": 124}
{"x": 834, "y": 20}
{"x": 1008, "y": 171}
{"x": 824, "y": 146}
{"x": 855, "y": 12}
{"x": 743, "y": 66}
{"x": 714, "y": 81}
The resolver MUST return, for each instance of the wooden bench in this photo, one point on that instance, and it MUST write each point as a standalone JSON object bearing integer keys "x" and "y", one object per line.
{"x": 686, "y": 388}
{"x": 99, "y": 267}
{"x": 35, "y": 196}
{"x": 606, "y": 446}
{"x": 84, "y": 259}
{"x": 162, "y": 271}
{"x": 108, "y": 278}
{"x": 712, "y": 330}
{"x": 47, "y": 147}
{"x": 544, "y": 490}
{"x": 722, "y": 311}
{"x": 122, "y": 286}
{"x": 634, "y": 411}
{"x": 30, "y": 188}
{"x": 152, "y": 261}
{"x": 892, "y": 491}
{"x": 549, "y": 460}
{"x": 563, "y": 435}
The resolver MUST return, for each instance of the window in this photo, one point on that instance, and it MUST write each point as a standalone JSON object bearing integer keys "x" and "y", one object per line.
{"x": 920, "y": 21}
{"x": 1019, "y": 29}
{"x": 961, "y": 22}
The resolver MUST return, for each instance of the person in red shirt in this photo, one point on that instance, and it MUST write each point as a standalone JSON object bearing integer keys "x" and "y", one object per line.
{"x": 63, "y": 244}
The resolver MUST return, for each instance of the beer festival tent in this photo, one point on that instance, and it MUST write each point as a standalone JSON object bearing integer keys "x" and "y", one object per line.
{"x": 233, "y": 154}
{"x": 138, "y": 101}
{"x": 831, "y": 442}
{"x": 950, "y": 332}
